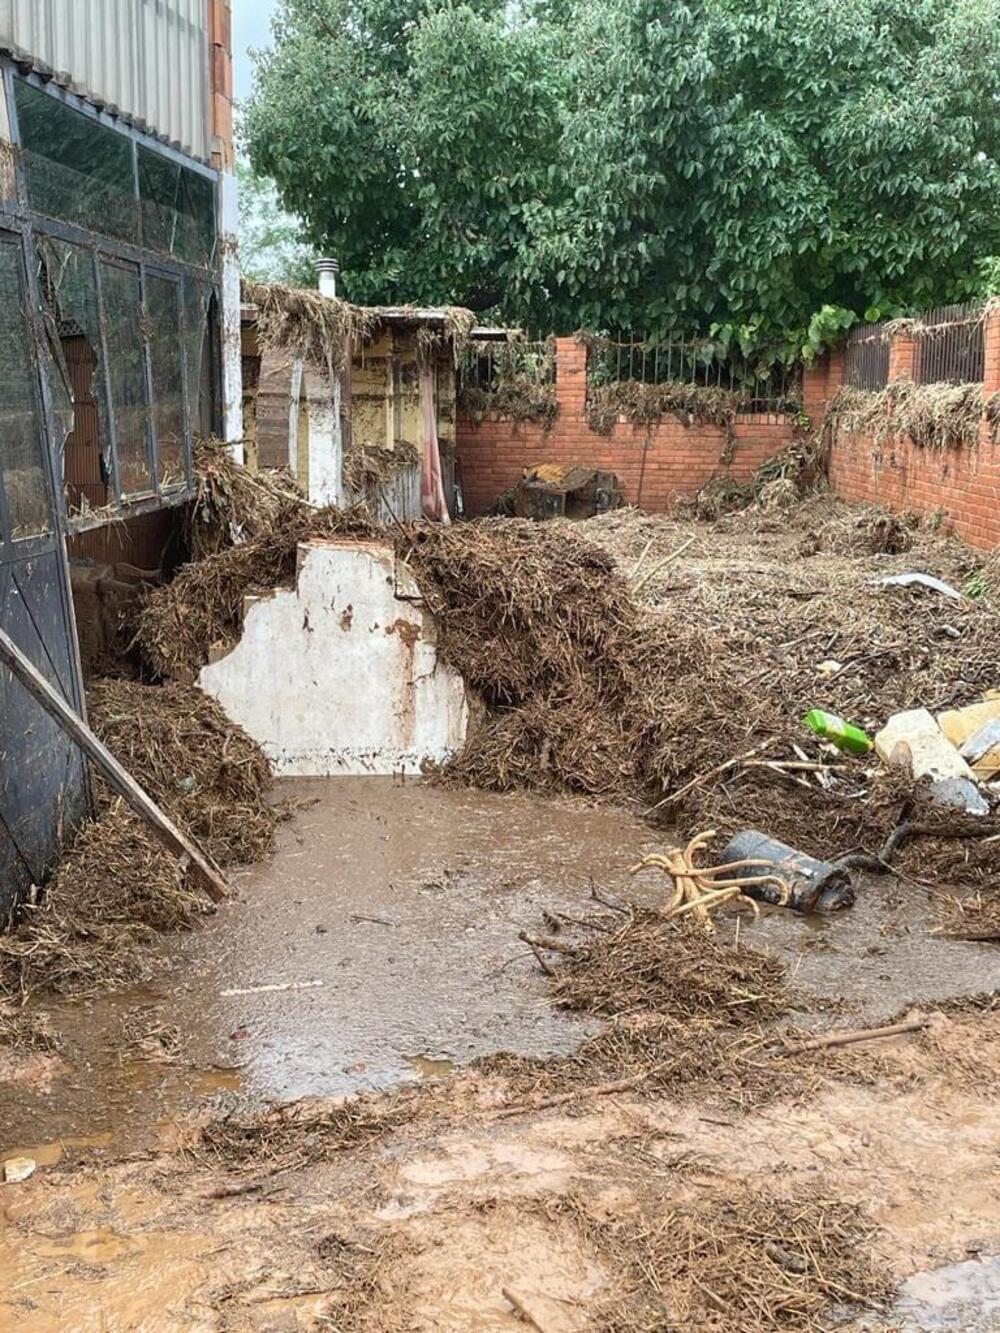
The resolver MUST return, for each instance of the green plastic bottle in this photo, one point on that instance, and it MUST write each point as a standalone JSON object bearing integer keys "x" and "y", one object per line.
{"x": 842, "y": 734}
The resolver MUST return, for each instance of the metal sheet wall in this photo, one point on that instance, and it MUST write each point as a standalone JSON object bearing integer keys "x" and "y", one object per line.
{"x": 145, "y": 59}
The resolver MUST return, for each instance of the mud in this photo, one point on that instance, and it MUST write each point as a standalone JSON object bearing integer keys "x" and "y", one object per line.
{"x": 379, "y": 945}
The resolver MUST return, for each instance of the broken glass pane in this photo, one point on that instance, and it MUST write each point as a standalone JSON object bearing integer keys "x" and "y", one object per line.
{"x": 69, "y": 289}
{"x": 21, "y": 434}
{"x": 178, "y": 208}
{"x": 76, "y": 169}
{"x": 163, "y": 307}
{"x": 127, "y": 373}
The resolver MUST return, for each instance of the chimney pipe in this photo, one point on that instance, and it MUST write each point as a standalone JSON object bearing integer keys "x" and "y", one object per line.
{"x": 328, "y": 271}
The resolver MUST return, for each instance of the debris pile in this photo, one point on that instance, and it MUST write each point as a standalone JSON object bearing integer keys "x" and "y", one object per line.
{"x": 236, "y": 504}
{"x": 747, "y": 1261}
{"x": 116, "y": 887}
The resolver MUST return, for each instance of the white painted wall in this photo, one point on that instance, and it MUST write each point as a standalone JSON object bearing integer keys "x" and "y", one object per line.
{"x": 340, "y": 675}
{"x": 325, "y": 438}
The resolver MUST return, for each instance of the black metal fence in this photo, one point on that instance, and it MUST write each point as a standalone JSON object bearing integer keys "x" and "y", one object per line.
{"x": 866, "y": 357}
{"x": 775, "y": 387}
{"x": 486, "y": 366}
{"x": 951, "y": 345}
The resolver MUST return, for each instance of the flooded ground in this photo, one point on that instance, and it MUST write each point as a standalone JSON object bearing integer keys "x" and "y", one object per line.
{"x": 379, "y": 946}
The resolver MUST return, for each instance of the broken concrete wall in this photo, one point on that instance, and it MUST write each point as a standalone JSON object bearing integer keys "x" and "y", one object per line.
{"x": 340, "y": 674}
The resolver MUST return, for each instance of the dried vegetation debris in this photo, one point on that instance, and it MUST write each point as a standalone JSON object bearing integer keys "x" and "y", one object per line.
{"x": 210, "y": 776}
{"x": 116, "y": 887}
{"x": 23, "y": 1030}
{"x": 933, "y": 416}
{"x": 290, "y": 1135}
{"x": 235, "y": 503}
{"x": 749, "y": 1260}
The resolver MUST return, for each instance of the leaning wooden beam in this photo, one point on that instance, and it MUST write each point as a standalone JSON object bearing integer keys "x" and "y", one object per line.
{"x": 114, "y": 774}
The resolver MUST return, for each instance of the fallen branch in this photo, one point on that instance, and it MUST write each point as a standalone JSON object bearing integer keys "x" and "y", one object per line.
{"x": 862, "y": 1034}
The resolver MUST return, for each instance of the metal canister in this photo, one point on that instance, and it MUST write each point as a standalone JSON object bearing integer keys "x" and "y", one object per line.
{"x": 810, "y": 885}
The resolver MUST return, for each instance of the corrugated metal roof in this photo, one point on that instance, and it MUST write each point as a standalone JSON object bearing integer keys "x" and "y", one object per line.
{"x": 145, "y": 60}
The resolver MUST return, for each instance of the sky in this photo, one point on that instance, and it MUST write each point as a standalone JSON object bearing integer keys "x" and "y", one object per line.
{"x": 251, "y": 27}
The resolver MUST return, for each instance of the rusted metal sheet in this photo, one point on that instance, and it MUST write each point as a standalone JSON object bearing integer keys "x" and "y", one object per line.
{"x": 145, "y": 60}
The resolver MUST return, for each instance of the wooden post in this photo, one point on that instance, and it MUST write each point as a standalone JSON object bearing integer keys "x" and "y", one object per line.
{"x": 117, "y": 777}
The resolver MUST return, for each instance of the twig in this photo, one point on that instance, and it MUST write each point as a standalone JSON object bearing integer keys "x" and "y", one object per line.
{"x": 564, "y": 1098}
{"x": 862, "y": 1034}
{"x": 547, "y": 942}
{"x": 540, "y": 960}
{"x": 274, "y": 987}
{"x": 662, "y": 565}
{"x": 707, "y": 777}
{"x": 645, "y": 551}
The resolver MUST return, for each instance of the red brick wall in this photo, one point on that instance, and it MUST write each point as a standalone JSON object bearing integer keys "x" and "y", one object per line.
{"x": 962, "y": 483}
{"x": 655, "y": 466}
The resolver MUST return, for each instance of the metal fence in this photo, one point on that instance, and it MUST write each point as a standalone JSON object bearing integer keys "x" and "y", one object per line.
{"x": 487, "y": 365}
{"x": 951, "y": 345}
{"x": 866, "y": 357}
{"x": 774, "y": 387}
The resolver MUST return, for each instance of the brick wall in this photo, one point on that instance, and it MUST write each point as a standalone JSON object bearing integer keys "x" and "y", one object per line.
{"x": 220, "y": 39}
{"x": 963, "y": 484}
{"x": 655, "y": 465}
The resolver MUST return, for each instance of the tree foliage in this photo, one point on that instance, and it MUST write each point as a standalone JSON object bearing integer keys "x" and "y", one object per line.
{"x": 765, "y": 171}
{"x": 272, "y": 243}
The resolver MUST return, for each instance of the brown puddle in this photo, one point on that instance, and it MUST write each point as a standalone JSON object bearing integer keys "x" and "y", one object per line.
{"x": 387, "y": 924}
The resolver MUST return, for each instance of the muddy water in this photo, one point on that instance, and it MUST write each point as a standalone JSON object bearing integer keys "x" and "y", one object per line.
{"x": 960, "y": 1298}
{"x": 380, "y": 944}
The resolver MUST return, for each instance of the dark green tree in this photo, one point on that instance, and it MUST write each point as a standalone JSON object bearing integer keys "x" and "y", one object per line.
{"x": 764, "y": 171}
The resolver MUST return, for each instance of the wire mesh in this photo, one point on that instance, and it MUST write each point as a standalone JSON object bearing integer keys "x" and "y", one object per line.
{"x": 951, "y": 345}
{"x": 866, "y": 357}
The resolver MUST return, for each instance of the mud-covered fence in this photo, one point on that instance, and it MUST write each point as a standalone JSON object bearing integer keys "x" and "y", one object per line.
{"x": 950, "y": 345}
{"x": 866, "y": 357}
{"x": 633, "y": 357}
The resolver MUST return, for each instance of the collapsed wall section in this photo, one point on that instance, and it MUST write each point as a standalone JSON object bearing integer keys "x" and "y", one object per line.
{"x": 340, "y": 675}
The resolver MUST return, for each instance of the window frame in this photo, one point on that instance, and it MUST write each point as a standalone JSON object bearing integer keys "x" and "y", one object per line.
{"x": 16, "y": 214}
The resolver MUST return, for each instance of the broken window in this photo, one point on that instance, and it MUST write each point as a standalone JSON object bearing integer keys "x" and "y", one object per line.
{"x": 178, "y": 208}
{"x": 69, "y": 287}
{"x": 127, "y": 374}
{"x": 76, "y": 169}
{"x": 21, "y": 438}
{"x": 163, "y": 309}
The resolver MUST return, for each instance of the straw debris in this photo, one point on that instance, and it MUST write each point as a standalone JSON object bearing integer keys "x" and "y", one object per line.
{"x": 290, "y": 1135}
{"x": 116, "y": 888}
{"x": 646, "y": 404}
{"x": 303, "y": 323}
{"x": 933, "y": 416}
{"x": 749, "y": 1261}
{"x": 370, "y": 467}
{"x": 235, "y": 504}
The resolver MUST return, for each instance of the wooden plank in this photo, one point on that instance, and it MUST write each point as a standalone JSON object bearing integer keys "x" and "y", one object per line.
{"x": 189, "y": 854}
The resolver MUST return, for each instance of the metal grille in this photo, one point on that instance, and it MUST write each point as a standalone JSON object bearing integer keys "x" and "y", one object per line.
{"x": 950, "y": 345}
{"x": 866, "y": 357}
{"x": 486, "y": 365}
{"x": 774, "y": 387}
